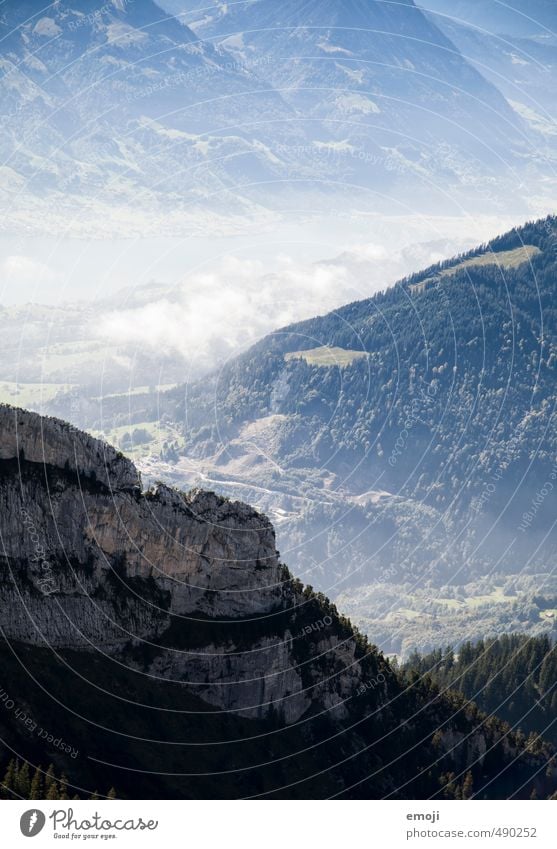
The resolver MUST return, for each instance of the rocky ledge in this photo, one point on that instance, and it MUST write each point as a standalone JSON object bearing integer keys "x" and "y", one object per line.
{"x": 191, "y": 583}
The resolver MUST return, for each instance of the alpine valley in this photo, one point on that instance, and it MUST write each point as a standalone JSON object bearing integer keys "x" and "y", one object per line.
{"x": 277, "y": 507}
{"x": 403, "y": 445}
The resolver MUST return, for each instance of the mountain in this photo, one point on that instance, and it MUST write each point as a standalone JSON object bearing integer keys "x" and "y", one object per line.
{"x": 145, "y": 634}
{"x": 92, "y": 361}
{"x": 520, "y": 18}
{"x": 119, "y": 119}
{"x": 515, "y": 48}
{"x": 383, "y": 78}
{"x": 404, "y": 441}
{"x": 120, "y": 104}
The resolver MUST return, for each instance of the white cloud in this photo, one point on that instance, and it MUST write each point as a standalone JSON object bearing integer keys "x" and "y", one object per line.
{"x": 370, "y": 251}
{"x": 47, "y": 27}
{"x": 17, "y": 269}
{"x": 213, "y": 314}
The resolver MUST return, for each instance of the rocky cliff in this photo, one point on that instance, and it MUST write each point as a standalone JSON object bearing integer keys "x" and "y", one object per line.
{"x": 154, "y": 641}
{"x": 89, "y": 561}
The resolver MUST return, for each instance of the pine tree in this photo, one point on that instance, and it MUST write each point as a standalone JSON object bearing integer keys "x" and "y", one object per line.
{"x": 448, "y": 784}
{"x": 52, "y": 792}
{"x": 49, "y": 781}
{"x": 468, "y": 786}
{"x": 8, "y": 783}
{"x": 111, "y": 793}
{"x": 51, "y": 785}
{"x": 437, "y": 740}
{"x": 63, "y": 787}
{"x": 36, "y": 791}
{"x": 23, "y": 781}
{"x": 533, "y": 743}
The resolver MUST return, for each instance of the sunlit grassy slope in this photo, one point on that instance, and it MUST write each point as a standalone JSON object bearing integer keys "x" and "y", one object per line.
{"x": 503, "y": 259}
{"x": 326, "y": 356}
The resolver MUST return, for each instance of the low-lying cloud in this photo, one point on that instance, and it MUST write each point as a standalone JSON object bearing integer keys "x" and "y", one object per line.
{"x": 212, "y": 315}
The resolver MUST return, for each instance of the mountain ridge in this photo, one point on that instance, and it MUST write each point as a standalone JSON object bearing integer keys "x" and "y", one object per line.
{"x": 416, "y": 455}
{"x": 123, "y": 105}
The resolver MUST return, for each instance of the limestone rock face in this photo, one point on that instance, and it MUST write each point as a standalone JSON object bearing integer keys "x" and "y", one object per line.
{"x": 52, "y": 442}
{"x": 188, "y": 586}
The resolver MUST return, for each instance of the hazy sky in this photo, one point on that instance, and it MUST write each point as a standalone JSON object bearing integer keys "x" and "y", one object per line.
{"x": 48, "y": 270}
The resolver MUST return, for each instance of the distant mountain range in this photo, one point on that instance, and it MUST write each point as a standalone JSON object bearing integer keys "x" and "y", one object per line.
{"x": 384, "y": 76}
{"x": 373, "y": 69}
{"x": 514, "y": 45}
{"x": 121, "y": 106}
{"x": 519, "y": 18}
{"x": 118, "y": 104}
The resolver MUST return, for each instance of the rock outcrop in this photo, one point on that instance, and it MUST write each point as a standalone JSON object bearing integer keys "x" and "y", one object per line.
{"x": 89, "y": 561}
{"x": 52, "y": 442}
